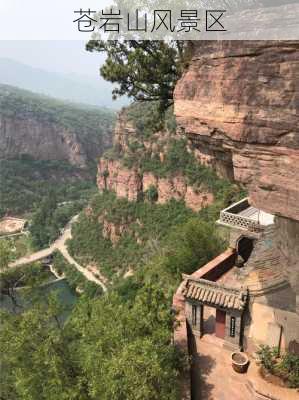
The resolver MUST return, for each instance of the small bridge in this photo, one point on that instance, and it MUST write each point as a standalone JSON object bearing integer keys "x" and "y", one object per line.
{"x": 33, "y": 257}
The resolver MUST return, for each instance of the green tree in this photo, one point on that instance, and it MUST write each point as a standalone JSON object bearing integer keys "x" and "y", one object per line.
{"x": 7, "y": 283}
{"x": 5, "y": 255}
{"x": 50, "y": 218}
{"x": 41, "y": 228}
{"x": 192, "y": 245}
{"x": 108, "y": 349}
{"x": 37, "y": 358}
{"x": 187, "y": 248}
{"x": 152, "y": 194}
{"x": 135, "y": 359}
{"x": 131, "y": 63}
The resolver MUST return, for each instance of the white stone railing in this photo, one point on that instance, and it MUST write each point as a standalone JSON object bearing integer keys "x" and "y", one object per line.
{"x": 239, "y": 221}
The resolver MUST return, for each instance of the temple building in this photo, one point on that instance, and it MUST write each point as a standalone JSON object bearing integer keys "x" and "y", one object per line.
{"x": 243, "y": 296}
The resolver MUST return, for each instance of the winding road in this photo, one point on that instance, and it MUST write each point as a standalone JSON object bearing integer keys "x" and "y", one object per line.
{"x": 60, "y": 244}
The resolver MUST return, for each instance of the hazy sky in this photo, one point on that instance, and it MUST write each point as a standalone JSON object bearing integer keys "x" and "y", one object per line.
{"x": 43, "y": 20}
{"x": 38, "y": 20}
{"x": 59, "y": 56}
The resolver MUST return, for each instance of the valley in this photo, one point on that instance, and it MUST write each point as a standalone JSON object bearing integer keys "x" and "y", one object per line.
{"x": 172, "y": 224}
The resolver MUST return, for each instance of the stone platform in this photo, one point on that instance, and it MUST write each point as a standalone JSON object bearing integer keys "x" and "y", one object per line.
{"x": 214, "y": 379}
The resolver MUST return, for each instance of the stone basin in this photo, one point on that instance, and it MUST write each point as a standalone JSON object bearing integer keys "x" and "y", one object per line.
{"x": 240, "y": 362}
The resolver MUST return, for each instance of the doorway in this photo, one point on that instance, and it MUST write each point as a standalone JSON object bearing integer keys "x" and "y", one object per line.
{"x": 220, "y": 323}
{"x": 209, "y": 317}
{"x": 244, "y": 248}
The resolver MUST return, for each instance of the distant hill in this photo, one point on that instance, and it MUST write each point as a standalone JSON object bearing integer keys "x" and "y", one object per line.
{"x": 47, "y": 143}
{"x": 74, "y": 87}
{"x": 48, "y": 129}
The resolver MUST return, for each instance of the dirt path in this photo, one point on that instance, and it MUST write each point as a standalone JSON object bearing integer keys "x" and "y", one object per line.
{"x": 60, "y": 244}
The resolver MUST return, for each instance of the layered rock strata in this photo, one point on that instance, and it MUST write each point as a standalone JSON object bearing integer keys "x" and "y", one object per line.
{"x": 238, "y": 104}
{"x": 133, "y": 185}
{"x": 40, "y": 140}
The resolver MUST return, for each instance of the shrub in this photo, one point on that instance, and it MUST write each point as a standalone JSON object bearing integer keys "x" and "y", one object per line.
{"x": 146, "y": 222}
{"x": 105, "y": 173}
{"x": 286, "y": 367}
{"x": 145, "y": 117}
{"x": 267, "y": 357}
{"x": 112, "y": 154}
{"x": 152, "y": 194}
{"x": 170, "y": 120}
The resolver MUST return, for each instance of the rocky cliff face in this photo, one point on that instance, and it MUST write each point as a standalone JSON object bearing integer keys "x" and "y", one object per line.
{"x": 238, "y": 104}
{"x": 47, "y": 129}
{"x": 132, "y": 183}
{"x": 40, "y": 140}
{"x": 44, "y": 140}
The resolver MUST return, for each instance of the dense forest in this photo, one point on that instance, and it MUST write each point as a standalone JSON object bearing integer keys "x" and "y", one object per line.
{"x": 25, "y": 182}
{"x": 112, "y": 346}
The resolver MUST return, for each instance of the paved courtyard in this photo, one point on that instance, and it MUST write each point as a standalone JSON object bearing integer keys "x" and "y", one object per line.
{"x": 212, "y": 375}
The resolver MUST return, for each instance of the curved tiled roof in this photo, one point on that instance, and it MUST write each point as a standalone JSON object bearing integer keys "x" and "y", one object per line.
{"x": 213, "y": 294}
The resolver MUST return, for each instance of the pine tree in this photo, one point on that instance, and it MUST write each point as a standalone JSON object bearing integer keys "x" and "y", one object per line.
{"x": 144, "y": 70}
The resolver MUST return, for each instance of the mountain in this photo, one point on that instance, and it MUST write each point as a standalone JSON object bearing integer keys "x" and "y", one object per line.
{"x": 72, "y": 87}
{"x": 49, "y": 129}
{"x": 47, "y": 143}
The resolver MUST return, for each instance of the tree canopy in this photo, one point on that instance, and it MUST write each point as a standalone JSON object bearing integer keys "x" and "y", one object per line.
{"x": 5, "y": 255}
{"x": 108, "y": 349}
{"x": 144, "y": 70}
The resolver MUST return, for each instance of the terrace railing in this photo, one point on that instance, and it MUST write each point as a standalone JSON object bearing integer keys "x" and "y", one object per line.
{"x": 230, "y": 216}
{"x": 239, "y": 221}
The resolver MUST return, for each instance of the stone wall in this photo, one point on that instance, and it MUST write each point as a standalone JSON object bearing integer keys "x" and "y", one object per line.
{"x": 180, "y": 338}
{"x": 217, "y": 267}
{"x": 259, "y": 327}
{"x": 271, "y": 286}
{"x": 287, "y": 242}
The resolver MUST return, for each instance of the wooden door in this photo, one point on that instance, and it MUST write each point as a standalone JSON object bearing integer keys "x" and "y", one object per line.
{"x": 220, "y": 323}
